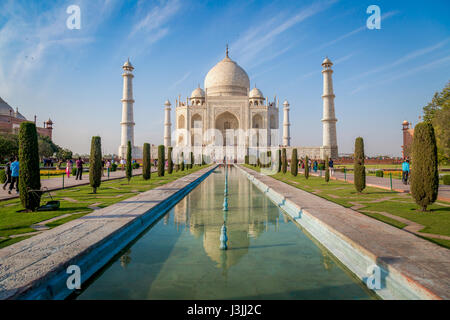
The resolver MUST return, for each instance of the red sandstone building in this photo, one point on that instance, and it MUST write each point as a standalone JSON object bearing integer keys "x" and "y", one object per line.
{"x": 408, "y": 134}
{"x": 10, "y": 121}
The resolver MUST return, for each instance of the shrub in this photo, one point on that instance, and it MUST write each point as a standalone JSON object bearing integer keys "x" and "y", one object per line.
{"x": 379, "y": 173}
{"x": 306, "y": 167}
{"x": 283, "y": 161}
{"x": 294, "y": 163}
{"x": 446, "y": 179}
{"x": 29, "y": 171}
{"x": 169, "y": 160}
{"x": 161, "y": 161}
{"x": 129, "y": 168}
{"x": 74, "y": 172}
{"x": 95, "y": 164}
{"x": 279, "y": 160}
{"x": 321, "y": 166}
{"x": 136, "y": 165}
{"x": 359, "y": 168}
{"x": 424, "y": 174}
{"x": 327, "y": 170}
{"x": 246, "y": 161}
{"x": 146, "y": 163}
{"x": 112, "y": 169}
{"x": 182, "y": 161}
{"x": 191, "y": 165}
{"x": 2, "y": 176}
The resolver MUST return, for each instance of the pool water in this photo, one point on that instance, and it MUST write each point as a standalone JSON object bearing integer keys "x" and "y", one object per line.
{"x": 269, "y": 256}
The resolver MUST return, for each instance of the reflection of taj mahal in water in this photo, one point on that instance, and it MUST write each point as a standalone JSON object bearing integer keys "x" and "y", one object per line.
{"x": 228, "y": 113}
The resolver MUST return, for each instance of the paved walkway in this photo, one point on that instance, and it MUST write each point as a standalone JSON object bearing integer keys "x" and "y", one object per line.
{"x": 384, "y": 183}
{"x": 35, "y": 268}
{"x": 410, "y": 262}
{"x": 57, "y": 183}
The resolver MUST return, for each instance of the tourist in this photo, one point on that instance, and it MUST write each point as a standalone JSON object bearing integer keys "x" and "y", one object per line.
{"x": 122, "y": 163}
{"x": 309, "y": 164}
{"x": 108, "y": 165}
{"x": 331, "y": 166}
{"x": 8, "y": 174}
{"x": 405, "y": 171}
{"x": 79, "y": 169}
{"x": 69, "y": 166}
{"x": 315, "y": 165}
{"x": 14, "y": 176}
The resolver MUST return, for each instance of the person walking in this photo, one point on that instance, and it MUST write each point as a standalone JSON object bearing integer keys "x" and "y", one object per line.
{"x": 79, "y": 169}
{"x": 69, "y": 166}
{"x": 405, "y": 171}
{"x": 14, "y": 176}
{"x": 8, "y": 174}
{"x": 122, "y": 164}
{"x": 315, "y": 166}
{"x": 331, "y": 166}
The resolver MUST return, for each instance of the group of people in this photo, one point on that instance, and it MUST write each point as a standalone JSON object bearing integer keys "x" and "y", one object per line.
{"x": 314, "y": 165}
{"x": 12, "y": 175}
{"x": 106, "y": 164}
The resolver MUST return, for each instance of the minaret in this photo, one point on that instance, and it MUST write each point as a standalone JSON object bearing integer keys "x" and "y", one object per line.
{"x": 127, "y": 110}
{"x": 329, "y": 120}
{"x": 167, "y": 124}
{"x": 286, "y": 125}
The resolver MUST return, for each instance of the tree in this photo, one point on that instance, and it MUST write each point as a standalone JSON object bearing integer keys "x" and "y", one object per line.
{"x": 306, "y": 167}
{"x": 169, "y": 160}
{"x": 95, "y": 164}
{"x": 161, "y": 161}
{"x": 46, "y": 147}
{"x": 182, "y": 161}
{"x": 327, "y": 169}
{"x": 146, "y": 163}
{"x": 9, "y": 146}
{"x": 437, "y": 112}
{"x": 294, "y": 162}
{"x": 424, "y": 173}
{"x": 29, "y": 172}
{"x": 279, "y": 160}
{"x": 359, "y": 168}
{"x": 191, "y": 165}
{"x": 64, "y": 154}
{"x": 284, "y": 161}
{"x": 129, "y": 165}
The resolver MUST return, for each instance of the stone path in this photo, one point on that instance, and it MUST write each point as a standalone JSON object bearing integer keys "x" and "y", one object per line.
{"x": 409, "y": 261}
{"x": 384, "y": 183}
{"x": 56, "y": 183}
{"x": 35, "y": 268}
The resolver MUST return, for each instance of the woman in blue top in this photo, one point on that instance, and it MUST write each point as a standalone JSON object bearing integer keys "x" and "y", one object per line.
{"x": 14, "y": 176}
{"x": 405, "y": 171}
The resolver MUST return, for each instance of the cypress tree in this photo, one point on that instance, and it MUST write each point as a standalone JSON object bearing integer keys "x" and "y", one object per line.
{"x": 146, "y": 163}
{"x": 129, "y": 166}
{"x": 182, "y": 162}
{"x": 169, "y": 160}
{"x": 29, "y": 172}
{"x": 327, "y": 170}
{"x": 161, "y": 161}
{"x": 294, "y": 162}
{"x": 269, "y": 157}
{"x": 192, "y": 161}
{"x": 359, "y": 168}
{"x": 284, "y": 161}
{"x": 424, "y": 176}
{"x": 246, "y": 160}
{"x": 95, "y": 164}
{"x": 279, "y": 160}
{"x": 203, "y": 160}
{"x": 306, "y": 167}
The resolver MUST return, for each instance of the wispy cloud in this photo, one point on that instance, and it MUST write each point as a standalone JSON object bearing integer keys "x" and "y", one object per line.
{"x": 259, "y": 37}
{"x": 403, "y": 59}
{"x": 440, "y": 62}
{"x": 181, "y": 80}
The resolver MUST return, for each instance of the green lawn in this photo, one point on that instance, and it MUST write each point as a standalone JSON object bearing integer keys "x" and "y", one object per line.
{"x": 435, "y": 221}
{"x": 76, "y": 201}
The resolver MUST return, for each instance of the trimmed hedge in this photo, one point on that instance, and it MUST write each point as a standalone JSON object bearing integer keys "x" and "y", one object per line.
{"x": 379, "y": 173}
{"x": 294, "y": 163}
{"x": 283, "y": 161}
{"x": 2, "y": 176}
{"x": 161, "y": 160}
{"x": 146, "y": 163}
{"x": 359, "y": 168}
{"x": 29, "y": 171}
{"x": 95, "y": 164}
{"x": 169, "y": 160}
{"x": 306, "y": 167}
{"x": 327, "y": 169}
{"x": 129, "y": 168}
{"x": 446, "y": 179}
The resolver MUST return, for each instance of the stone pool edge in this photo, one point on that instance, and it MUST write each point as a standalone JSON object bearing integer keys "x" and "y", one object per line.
{"x": 52, "y": 284}
{"x": 396, "y": 285}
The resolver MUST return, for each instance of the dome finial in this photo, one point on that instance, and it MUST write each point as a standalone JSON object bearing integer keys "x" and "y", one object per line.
{"x": 227, "y": 51}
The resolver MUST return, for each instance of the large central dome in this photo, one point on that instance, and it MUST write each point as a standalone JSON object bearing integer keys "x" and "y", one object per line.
{"x": 227, "y": 78}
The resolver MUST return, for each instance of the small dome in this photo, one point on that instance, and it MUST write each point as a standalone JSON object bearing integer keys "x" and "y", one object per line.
{"x": 405, "y": 123}
{"x": 198, "y": 93}
{"x": 285, "y": 103}
{"x": 49, "y": 121}
{"x": 167, "y": 103}
{"x": 327, "y": 61}
{"x": 256, "y": 93}
{"x": 5, "y": 109}
{"x": 128, "y": 65}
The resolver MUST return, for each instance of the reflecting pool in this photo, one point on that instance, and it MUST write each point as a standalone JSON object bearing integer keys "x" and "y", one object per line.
{"x": 268, "y": 255}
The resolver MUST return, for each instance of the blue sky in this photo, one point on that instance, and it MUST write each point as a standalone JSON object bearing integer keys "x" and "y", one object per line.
{"x": 381, "y": 77}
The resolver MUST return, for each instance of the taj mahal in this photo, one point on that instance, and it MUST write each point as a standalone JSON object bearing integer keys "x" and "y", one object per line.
{"x": 230, "y": 118}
